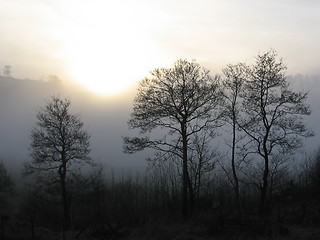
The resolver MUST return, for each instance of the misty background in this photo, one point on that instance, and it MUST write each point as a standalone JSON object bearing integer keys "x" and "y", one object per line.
{"x": 105, "y": 119}
{"x": 97, "y": 44}
{"x": 94, "y": 52}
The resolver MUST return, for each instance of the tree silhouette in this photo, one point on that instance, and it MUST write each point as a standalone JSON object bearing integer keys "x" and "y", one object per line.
{"x": 272, "y": 114}
{"x": 6, "y": 185}
{"x": 233, "y": 82}
{"x": 59, "y": 145}
{"x": 7, "y": 71}
{"x": 184, "y": 100}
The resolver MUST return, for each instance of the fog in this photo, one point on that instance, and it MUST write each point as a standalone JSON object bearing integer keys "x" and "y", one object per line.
{"x": 105, "y": 119}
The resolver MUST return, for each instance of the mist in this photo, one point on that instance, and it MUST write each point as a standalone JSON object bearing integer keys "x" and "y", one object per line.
{"x": 126, "y": 200}
{"x": 105, "y": 119}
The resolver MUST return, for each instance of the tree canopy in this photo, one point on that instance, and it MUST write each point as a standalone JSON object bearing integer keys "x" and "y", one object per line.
{"x": 59, "y": 146}
{"x": 272, "y": 113}
{"x": 184, "y": 100}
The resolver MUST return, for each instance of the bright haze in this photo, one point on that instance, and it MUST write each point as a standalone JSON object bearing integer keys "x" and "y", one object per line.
{"x": 100, "y": 49}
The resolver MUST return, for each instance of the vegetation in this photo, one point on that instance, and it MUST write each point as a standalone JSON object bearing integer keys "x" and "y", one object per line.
{"x": 272, "y": 115}
{"x": 234, "y": 77}
{"x": 59, "y": 146}
{"x": 192, "y": 189}
{"x": 185, "y": 101}
{"x": 6, "y": 186}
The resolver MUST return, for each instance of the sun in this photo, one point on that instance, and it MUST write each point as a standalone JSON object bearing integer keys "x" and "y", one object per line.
{"x": 105, "y": 45}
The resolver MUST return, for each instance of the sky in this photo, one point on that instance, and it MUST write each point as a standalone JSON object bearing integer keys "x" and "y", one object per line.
{"x": 107, "y": 46}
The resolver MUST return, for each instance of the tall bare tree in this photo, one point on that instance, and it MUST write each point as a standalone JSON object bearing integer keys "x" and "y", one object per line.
{"x": 234, "y": 77}
{"x": 59, "y": 145}
{"x": 183, "y": 100}
{"x": 273, "y": 114}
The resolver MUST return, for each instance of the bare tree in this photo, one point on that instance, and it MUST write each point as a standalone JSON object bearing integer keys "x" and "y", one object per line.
{"x": 59, "y": 147}
{"x": 273, "y": 114}
{"x": 6, "y": 182}
{"x": 184, "y": 100}
{"x": 233, "y": 83}
{"x": 6, "y": 186}
{"x": 202, "y": 159}
{"x": 311, "y": 173}
{"x": 7, "y": 71}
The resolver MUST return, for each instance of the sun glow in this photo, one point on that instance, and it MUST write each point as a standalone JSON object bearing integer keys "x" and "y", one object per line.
{"x": 105, "y": 45}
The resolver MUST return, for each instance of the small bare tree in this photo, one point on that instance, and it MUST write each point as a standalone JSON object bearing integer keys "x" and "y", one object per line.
{"x": 59, "y": 146}
{"x": 202, "y": 160}
{"x": 6, "y": 182}
{"x": 7, "y": 71}
{"x": 6, "y": 186}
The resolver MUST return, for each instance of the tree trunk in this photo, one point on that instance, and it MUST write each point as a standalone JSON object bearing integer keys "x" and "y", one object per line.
{"x": 65, "y": 200}
{"x": 234, "y": 172}
{"x": 191, "y": 195}
{"x": 264, "y": 188}
{"x": 185, "y": 177}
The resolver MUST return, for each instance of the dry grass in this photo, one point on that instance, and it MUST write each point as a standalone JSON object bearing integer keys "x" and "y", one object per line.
{"x": 175, "y": 231}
